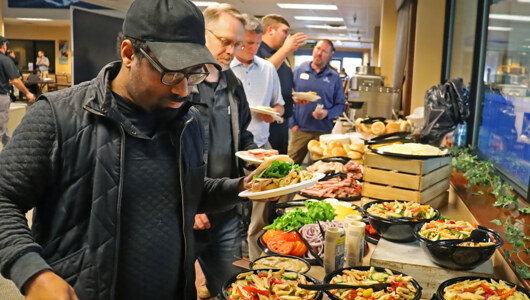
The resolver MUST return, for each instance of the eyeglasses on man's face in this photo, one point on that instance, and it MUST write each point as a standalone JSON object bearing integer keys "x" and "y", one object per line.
{"x": 175, "y": 77}
{"x": 227, "y": 42}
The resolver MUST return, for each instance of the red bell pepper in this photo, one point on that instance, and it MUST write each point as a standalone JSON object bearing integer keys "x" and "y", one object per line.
{"x": 389, "y": 207}
{"x": 508, "y": 293}
{"x": 251, "y": 289}
{"x": 487, "y": 288}
{"x": 415, "y": 209}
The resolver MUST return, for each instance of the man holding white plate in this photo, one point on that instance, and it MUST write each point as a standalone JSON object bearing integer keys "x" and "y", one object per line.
{"x": 260, "y": 81}
{"x": 313, "y": 119}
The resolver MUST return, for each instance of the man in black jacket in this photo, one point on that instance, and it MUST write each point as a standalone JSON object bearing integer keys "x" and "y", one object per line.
{"x": 225, "y": 116}
{"x": 114, "y": 169}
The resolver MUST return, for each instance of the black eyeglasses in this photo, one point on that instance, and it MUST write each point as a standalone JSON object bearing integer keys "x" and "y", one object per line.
{"x": 226, "y": 42}
{"x": 175, "y": 77}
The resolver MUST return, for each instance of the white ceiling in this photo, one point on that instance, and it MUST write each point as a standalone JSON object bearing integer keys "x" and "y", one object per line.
{"x": 360, "y": 17}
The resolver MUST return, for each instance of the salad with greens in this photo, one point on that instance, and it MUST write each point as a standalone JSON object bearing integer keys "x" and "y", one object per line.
{"x": 316, "y": 211}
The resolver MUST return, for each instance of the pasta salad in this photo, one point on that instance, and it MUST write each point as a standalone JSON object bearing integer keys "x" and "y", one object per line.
{"x": 401, "y": 287}
{"x": 482, "y": 289}
{"x": 270, "y": 285}
{"x": 397, "y": 209}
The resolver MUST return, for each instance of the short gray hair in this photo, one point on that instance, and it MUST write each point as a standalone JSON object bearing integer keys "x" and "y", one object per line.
{"x": 252, "y": 24}
{"x": 213, "y": 12}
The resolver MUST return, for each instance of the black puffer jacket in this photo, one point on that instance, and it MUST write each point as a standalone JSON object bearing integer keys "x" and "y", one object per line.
{"x": 71, "y": 172}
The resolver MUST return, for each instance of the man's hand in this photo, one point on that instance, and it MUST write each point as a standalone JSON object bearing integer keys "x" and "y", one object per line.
{"x": 295, "y": 128}
{"x": 267, "y": 118}
{"x": 300, "y": 101}
{"x": 295, "y": 41}
{"x": 47, "y": 285}
{"x": 31, "y": 97}
{"x": 201, "y": 222}
{"x": 320, "y": 114}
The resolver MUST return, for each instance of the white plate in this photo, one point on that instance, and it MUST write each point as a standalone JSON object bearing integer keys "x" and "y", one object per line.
{"x": 243, "y": 156}
{"x": 275, "y": 115}
{"x": 306, "y": 96}
{"x": 283, "y": 190}
{"x": 264, "y": 111}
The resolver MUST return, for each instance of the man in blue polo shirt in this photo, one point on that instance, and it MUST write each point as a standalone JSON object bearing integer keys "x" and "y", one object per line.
{"x": 313, "y": 119}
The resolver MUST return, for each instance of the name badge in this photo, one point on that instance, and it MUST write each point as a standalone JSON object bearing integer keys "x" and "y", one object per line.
{"x": 304, "y": 76}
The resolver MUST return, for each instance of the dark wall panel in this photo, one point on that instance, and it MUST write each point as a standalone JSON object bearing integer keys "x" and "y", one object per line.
{"x": 94, "y": 42}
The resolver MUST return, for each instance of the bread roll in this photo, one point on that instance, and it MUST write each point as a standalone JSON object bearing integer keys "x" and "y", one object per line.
{"x": 327, "y": 152}
{"x": 312, "y": 143}
{"x": 338, "y": 151}
{"x": 335, "y": 144}
{"x": 378, "y": 128}
{"x": 404, "y": 126}
{"x": 317, "y": 150}
{"x": 354, "y": 155}
{"x": 357, "y": 147}
{"x": 366, "y": 128}
{"x": 392, "y": 127}
{"x": 358, "y": 125}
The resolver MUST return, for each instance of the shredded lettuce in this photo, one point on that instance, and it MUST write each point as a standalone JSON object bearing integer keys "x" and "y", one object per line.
{"x": 316, "y": 211}
{"x": 279, "y": 169}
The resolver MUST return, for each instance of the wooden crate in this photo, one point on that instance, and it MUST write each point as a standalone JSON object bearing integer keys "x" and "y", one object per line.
{"x": 416, "y": 180}
{"x": 406, "y": 180}
{"x": 405, "y": 165}
{"x": 386, "y": 192}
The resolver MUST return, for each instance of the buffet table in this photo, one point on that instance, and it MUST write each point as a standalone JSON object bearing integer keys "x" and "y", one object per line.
{"x": 454, "y": 208}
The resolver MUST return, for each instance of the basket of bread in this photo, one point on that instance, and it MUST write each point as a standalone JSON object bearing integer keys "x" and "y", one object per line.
{"x": 332, "y": 148}
{"x": 380, "y": 126}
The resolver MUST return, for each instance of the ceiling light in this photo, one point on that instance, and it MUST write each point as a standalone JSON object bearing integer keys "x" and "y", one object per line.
{"x": 307, "y": 6}
{"x": 524, "y": 1}
{"x": 205, "y": 3}
{"x": 35, "y": 19}
{"x": 510, "y": 17}
{"x": 496, "y": 28}
{"x": 322, "y": 19}
{"x": 326, "y": 27}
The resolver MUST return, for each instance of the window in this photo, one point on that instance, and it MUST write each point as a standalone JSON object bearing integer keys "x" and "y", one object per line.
{"x": 465, "y": 17}
{"x": 504, "y": 133}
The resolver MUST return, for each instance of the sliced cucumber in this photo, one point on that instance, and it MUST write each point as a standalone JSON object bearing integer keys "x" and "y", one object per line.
{"x": 379, "y": 276}
{"x": 290, "y": 275}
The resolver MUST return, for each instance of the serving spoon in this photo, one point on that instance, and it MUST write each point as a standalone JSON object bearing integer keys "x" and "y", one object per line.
{"x": 333, "y": 286}
{"x": 476, "y": 236}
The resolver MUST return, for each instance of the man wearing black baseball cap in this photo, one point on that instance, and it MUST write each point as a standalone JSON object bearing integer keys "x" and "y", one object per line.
{"x": 9, "y": 75}
{"x": 114, "y": 169}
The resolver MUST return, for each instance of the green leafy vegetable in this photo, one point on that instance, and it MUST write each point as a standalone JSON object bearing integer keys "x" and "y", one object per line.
{"x": 316, "y": 211}
{"x": 278, "y": 169}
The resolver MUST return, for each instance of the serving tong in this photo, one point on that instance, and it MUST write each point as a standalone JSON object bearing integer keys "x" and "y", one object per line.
{"x": 310, "y": 248}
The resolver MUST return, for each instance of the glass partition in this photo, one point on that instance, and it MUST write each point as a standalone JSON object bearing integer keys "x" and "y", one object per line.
{"x": 504, "y": 134}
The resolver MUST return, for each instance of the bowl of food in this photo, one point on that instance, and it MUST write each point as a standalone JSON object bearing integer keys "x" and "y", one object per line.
{"x": 395, "y": 220}
{"x": 287, "y": 262}
{"x": 400, "y": 286}
{"x": 450, "y": 243}
{"x": 474, "y": 287}
{"x": 269, "y": 282}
